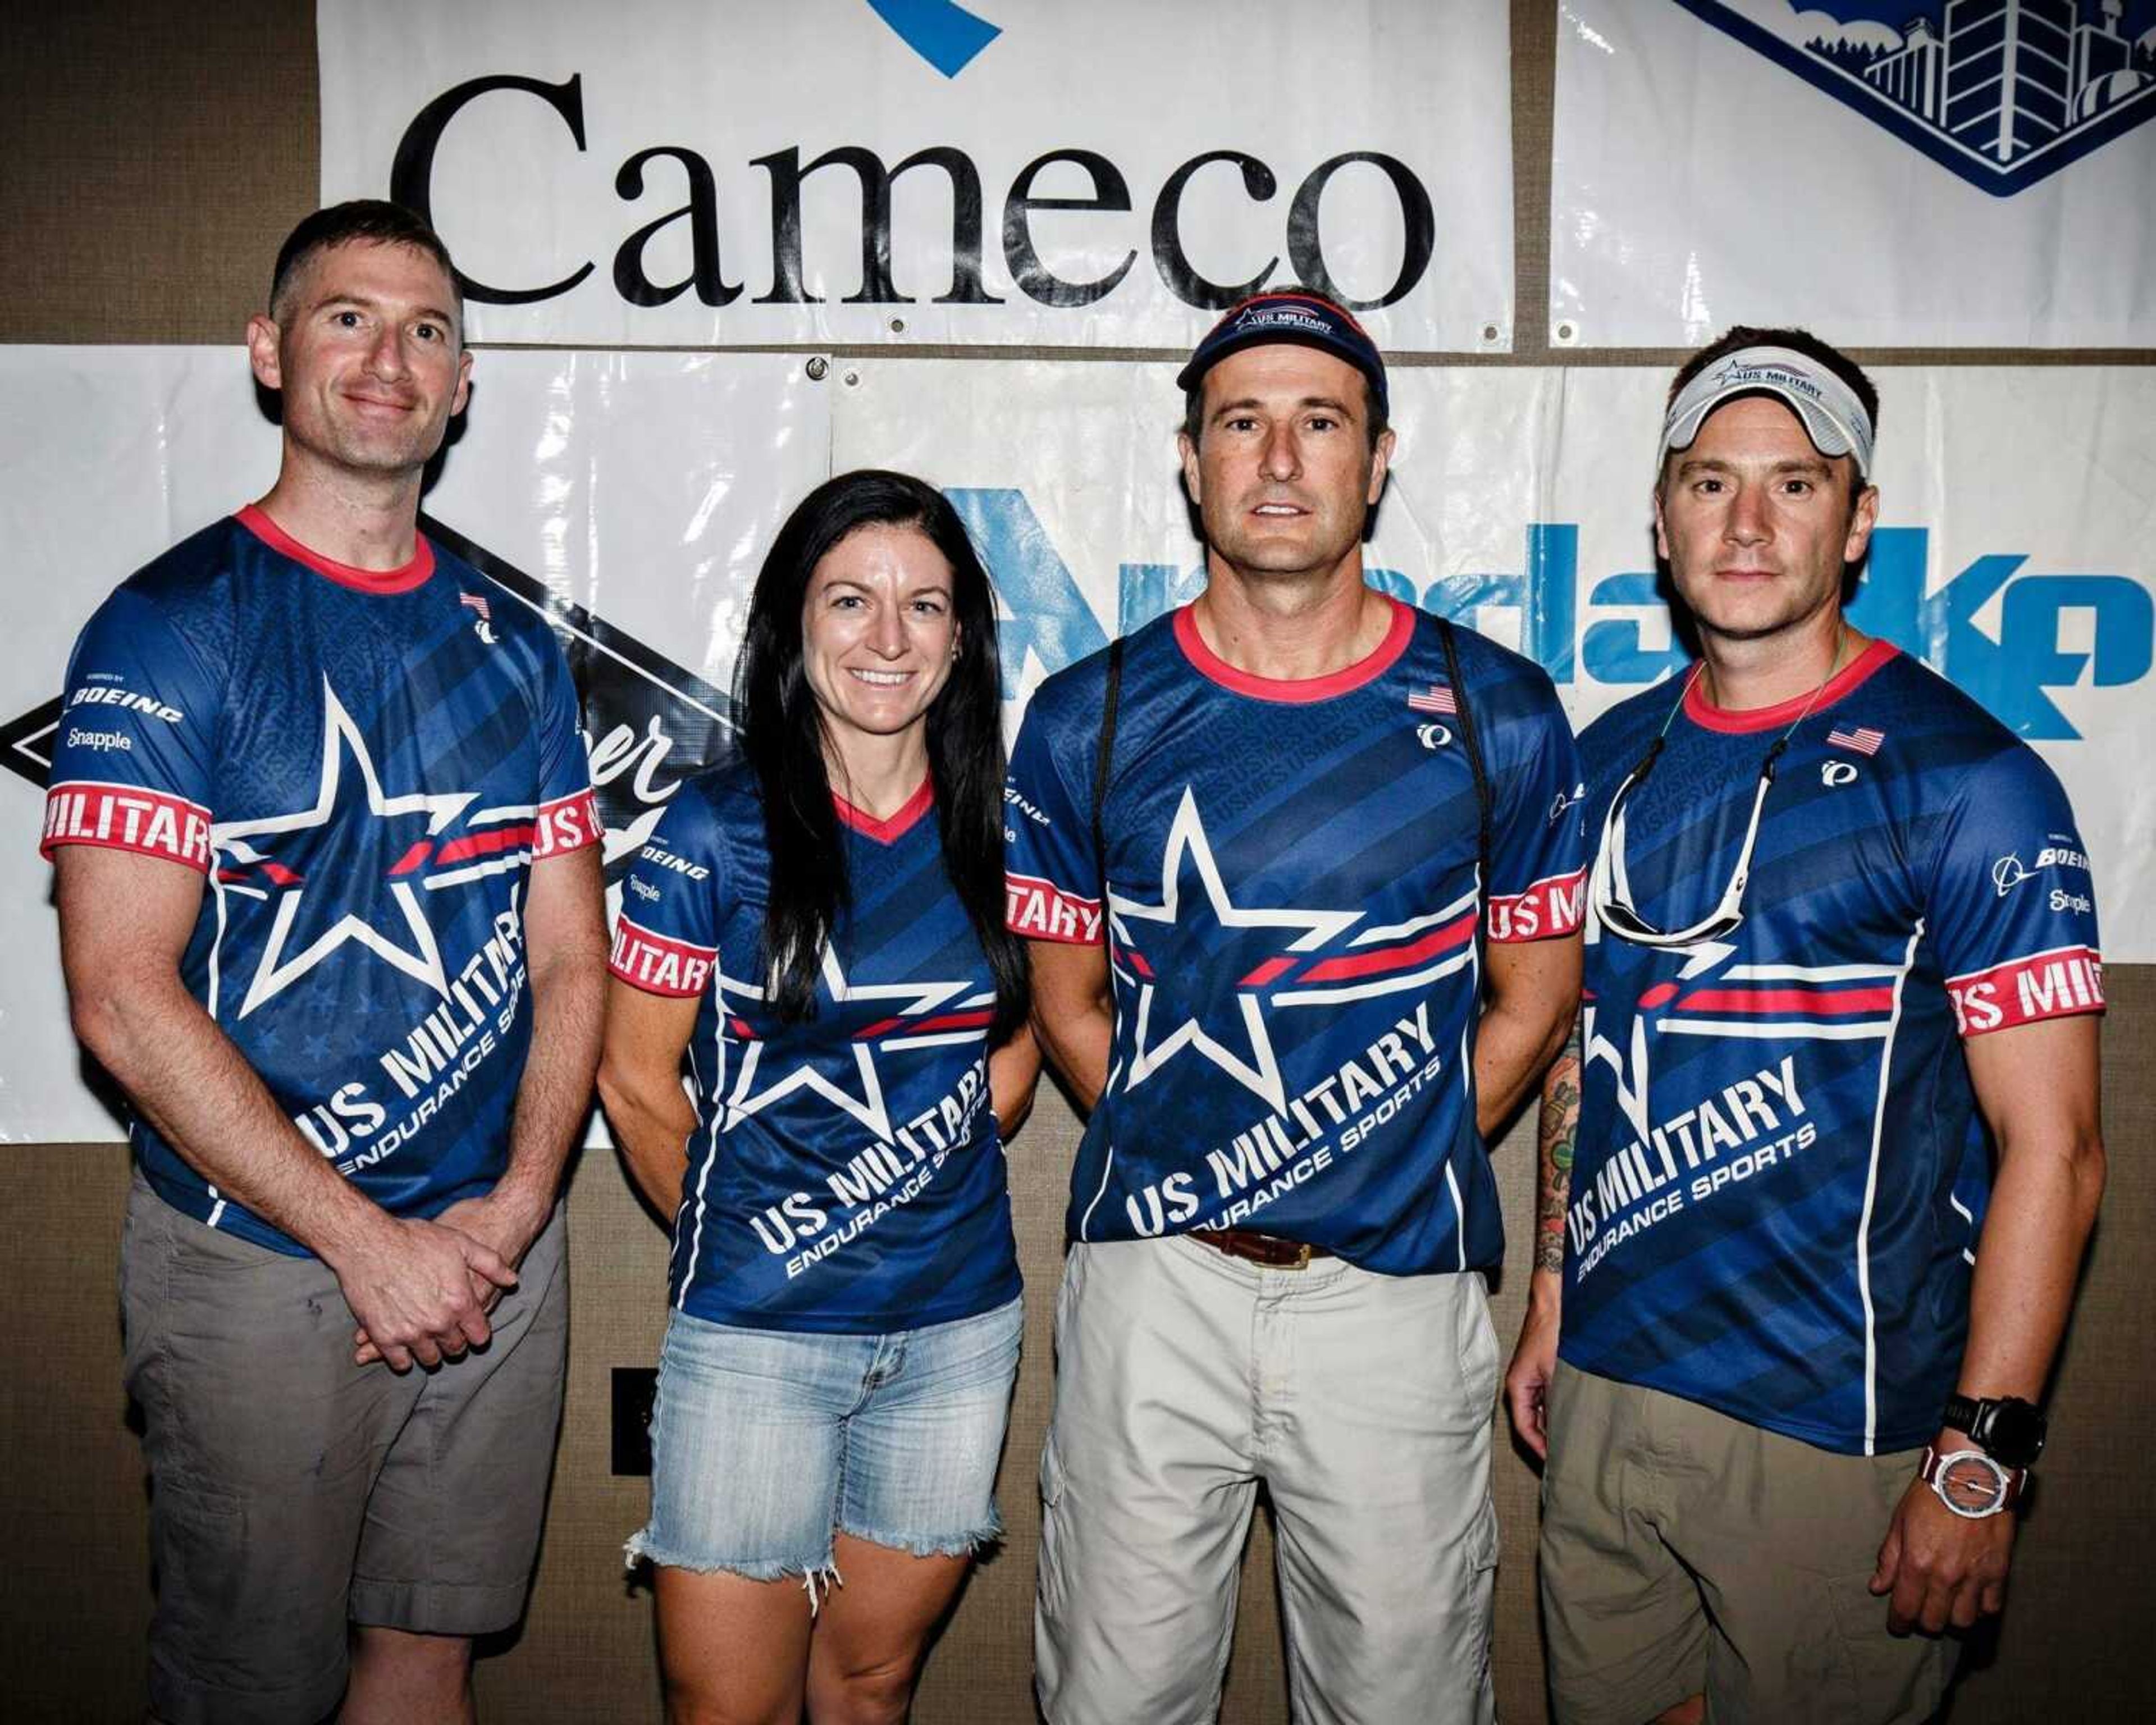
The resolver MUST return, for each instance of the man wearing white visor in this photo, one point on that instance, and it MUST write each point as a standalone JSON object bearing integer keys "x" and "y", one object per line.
{"x": 1818, "y": 1165}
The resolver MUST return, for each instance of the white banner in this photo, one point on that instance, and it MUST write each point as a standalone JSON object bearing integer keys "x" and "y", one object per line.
{"x": 629, "y": 496}
{"x": 660, "y": 173}
{"x": 2014, "y": 552}
{"x": 632, "y": 497}
{"x": 1894, "y": 173}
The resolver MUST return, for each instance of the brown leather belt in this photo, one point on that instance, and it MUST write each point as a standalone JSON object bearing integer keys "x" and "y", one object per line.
{"x": 1267, "y": 1248}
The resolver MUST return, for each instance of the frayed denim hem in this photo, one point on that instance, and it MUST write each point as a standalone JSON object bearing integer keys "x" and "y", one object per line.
{"x": 817, "y": 1579}
{"x": 957, "y": 1545}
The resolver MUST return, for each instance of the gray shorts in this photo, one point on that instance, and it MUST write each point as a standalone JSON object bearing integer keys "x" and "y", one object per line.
{"x": 293, "y": 1493}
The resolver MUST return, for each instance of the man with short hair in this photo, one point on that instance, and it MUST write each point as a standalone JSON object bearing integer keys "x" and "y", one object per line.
{"x": 330, "y": 913}
{"x": 1258, "y": 848}
{"x": 1841, "y": 954}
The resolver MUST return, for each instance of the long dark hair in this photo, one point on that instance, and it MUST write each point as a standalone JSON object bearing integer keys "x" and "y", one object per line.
{"x": 781, "y": 734}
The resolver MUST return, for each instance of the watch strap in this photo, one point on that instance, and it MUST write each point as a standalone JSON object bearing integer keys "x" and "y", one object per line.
{"x": 1981, "y": 1417}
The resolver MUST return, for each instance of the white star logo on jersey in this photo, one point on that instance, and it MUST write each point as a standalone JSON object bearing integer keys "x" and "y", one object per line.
{"x": 867, "y": 1105}
{"x": 1632, "y": 1090}
{"x": 1255, "y": 1068}
{"x": 421, "y": 959}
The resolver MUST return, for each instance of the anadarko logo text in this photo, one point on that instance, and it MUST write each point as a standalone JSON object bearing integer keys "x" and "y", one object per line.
{"x": 2008, "y": 665}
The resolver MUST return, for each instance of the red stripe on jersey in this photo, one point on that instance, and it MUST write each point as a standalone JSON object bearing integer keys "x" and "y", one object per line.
{"x": 1826, "y": 1002}
{"x": 2052, "y": 985}
{"x": 1455, "y": 933}
{"x": 489, "y": 842}
{"x": 1549, "y": 907}
{"x": 927, "y": 1027}
{"x": 1265, "y": 972}
{"x": 658, "y": 964}
{"x": 567, "y": 824}
{"x": 1041, "y": 910}
{"x": 122, "y": 816}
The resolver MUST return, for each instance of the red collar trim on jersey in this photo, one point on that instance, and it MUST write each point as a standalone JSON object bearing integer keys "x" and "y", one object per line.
{"x": 404, "y": 579}
{"x": 1703, "y": 712}
{"x": 1366, "y": 669}
{"x": 895, "y": 825}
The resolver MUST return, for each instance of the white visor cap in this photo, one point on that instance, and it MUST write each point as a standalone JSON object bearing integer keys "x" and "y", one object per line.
{"x": 1832, "y": 418}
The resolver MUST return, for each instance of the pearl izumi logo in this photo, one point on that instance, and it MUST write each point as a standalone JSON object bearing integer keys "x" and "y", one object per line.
{"x": 2004, "y": 93}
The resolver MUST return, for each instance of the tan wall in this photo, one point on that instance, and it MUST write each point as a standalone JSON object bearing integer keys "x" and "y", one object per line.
{"x": 152, "y": 156}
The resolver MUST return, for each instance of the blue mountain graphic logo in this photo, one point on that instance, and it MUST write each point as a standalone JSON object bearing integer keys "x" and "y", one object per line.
{"x": 2004, "y": 93}
{"x": 942, "y": 31}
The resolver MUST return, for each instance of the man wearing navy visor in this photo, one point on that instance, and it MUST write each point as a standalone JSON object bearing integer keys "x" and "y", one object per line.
{"x": 1302, "y": 904}
{"x": 1820, "y": 1161}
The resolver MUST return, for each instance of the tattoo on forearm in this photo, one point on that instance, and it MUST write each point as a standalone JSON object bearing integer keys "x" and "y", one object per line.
{"x": 1558, "y": 1133}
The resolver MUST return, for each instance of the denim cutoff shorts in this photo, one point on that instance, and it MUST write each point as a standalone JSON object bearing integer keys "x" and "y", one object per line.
{"x": 766, "y": 1443}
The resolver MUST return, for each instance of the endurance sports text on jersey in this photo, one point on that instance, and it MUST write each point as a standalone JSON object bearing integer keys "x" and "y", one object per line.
{"x": 1291, "y": 905}
{"x": 1781, "y": 1171}
{"x": 845, "y": 1174}
{"x": 365, "y": 764}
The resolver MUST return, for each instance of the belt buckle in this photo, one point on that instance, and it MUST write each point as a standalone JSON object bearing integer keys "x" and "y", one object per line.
{"x": 1302, "y": 1257}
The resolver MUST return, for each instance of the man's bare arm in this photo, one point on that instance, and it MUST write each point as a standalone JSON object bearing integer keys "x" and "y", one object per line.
{"x": 1533, "y": 993}
{"x": 640, "y": 1082}
{"x": 565, "y": 947}
{"x": 1534, "y": 1359}
{"x": 124, "y": 921}
{"x": 2038, "y": 1087}
{"x": 564, "y": 913}
{"x": 1556, "y": 1135}
{"x": 1073, "y": 1013}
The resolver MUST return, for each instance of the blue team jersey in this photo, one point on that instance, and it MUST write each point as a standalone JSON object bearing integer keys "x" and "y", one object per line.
{"x": 845, "y": 1174}
{"x": 1781, "y": 1171}
{"x": 364, "y": 765}
{"x": 1291, "y": 905}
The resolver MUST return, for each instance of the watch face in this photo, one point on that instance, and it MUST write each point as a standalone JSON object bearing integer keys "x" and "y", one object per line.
{"x": 2016, "y": 1437}
{"x": 1970, "y": 1484}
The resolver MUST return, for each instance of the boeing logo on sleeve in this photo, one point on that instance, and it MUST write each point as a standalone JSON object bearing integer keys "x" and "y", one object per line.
{"x": 2004, "y": 93}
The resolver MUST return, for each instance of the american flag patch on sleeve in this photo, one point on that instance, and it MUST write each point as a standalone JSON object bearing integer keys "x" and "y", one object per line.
{"x": 1435, "y": 699}
{"x": 1864, "y": 739}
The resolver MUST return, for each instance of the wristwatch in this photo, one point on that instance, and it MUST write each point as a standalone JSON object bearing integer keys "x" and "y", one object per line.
{"x": 2009, "y": 1430}
{"x": 1970, "y": 1483}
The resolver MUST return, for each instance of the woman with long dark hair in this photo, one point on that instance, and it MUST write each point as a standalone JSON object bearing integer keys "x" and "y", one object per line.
{"x": 819, "y": 927}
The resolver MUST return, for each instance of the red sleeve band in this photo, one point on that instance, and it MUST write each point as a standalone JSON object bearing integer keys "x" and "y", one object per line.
{"x": 1545, "y": 909}
{"x": 567, "y": 824}
{"x": 2054, "y": 984}
{"x": 122, "y": 817}
{"x": 1040, "y": 911}
{"x": 660, "y": 965}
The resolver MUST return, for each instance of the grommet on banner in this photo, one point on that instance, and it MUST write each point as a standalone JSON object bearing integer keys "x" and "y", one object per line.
{"x": 816, "y": 368}
{"x": 1490, "y": 332}
{"x": 1566, "y": 332}
{"x": 898, "y": 326}
{"x": 852, "y": 379}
